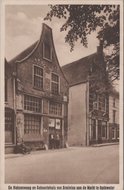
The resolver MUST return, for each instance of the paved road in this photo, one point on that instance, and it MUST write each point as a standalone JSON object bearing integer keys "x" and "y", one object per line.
{"x": 88, "y": 165}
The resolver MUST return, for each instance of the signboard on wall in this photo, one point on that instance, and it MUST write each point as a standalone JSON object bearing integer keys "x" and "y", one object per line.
{"x": 51, "y": 122}
{"x": 58, "y": 123}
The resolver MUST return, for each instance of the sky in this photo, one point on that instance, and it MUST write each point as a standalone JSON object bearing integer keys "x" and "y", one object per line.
{"x": 23, "y": 24}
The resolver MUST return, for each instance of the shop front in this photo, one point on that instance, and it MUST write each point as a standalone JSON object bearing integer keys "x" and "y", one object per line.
{"x": 55, "y": 133}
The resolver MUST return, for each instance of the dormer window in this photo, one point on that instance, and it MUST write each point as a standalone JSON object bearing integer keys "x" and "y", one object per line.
{"x": 47, "y": 51}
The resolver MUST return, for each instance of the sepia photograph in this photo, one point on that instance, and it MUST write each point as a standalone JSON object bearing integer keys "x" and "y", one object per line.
{"x": 62, "y": 96}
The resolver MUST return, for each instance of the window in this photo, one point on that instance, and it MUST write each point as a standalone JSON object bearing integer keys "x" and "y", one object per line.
{"x": 47, "y": 52}
{"x": 114, "y": 115}
{"x": 113, "y": 133}
{"x": 55, "y": 84}
{"x": 38, "y": 77}
{"x": 95, "y": 105}
{"x": 102, "y": 103}
{"x": 5, "y": 89}
{"x": 55, "y": 108}
{"x": 32, "y": 124}
{"x": 114, "y": 102}
{"x": 9, "y": 123}
{"x": 32, "y": 103}
{"x": 104, "y": 129}
{"x": 93, "y": 129}
{"x": 117, "y": 133}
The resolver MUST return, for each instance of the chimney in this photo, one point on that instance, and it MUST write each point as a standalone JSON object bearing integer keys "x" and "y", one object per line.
{"x": 100, "y": 47}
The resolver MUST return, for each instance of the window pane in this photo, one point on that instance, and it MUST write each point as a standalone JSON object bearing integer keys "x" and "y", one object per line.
{"x": 32, "y": 103}
{"x": 55, "y": 108}
{"x": 32, "y": 124}
{"x": 38, "y": 77}
{"x": 55, "y": 77}
{"x": 55, "y": 84}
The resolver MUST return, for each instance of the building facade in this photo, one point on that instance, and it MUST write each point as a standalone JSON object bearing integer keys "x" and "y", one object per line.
{"x": 114, "y": 116}
{"x": 9, "y": 108}
{"x": 89, "y": 109}
{"x": 37, "y": 92}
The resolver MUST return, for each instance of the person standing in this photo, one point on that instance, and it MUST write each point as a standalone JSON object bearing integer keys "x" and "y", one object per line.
{"x": 52, "y": 141}
{"x": 57, "y": 140}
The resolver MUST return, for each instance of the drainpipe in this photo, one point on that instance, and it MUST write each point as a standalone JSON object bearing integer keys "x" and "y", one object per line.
{"x": 14, "y": 106}
{"x": 87, "y": 113}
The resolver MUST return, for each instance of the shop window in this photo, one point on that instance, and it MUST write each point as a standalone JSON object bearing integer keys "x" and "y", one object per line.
{"x": 38, "y": 77}
{"x": 55, "y": 84}
{"x": 55, "y": 108}
{"x": 47, "y": 51}
{"x": 32, "y": 124}
{"x": 32, "y": 103}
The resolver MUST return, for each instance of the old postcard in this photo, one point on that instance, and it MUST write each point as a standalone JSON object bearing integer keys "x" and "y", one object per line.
{"x": 61, "y": 99}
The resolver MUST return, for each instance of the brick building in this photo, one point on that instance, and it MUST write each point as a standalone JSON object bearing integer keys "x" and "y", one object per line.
{"x": 36, "y": 94}
{"x": 88, "y": 110}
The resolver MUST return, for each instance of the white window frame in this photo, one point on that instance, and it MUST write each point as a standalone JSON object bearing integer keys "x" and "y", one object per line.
{"x": 38, "y": 76}
{"x": 31, "y": 131}
{"x": 55, "y": 82}
{"x": 55, "y": 103}
{"x": 29, "y": 111}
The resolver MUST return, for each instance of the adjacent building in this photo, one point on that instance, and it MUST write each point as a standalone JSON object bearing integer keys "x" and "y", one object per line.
{"x": 36, "y": 95}
{"x": 89, "y": 108}
{"x": 114, "y": 116}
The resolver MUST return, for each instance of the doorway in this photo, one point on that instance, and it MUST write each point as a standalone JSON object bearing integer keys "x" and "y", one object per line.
{"x": 55, "y": 133}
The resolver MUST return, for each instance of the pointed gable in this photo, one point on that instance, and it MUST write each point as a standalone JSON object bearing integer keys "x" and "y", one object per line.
{"x": 36, "y": 66}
